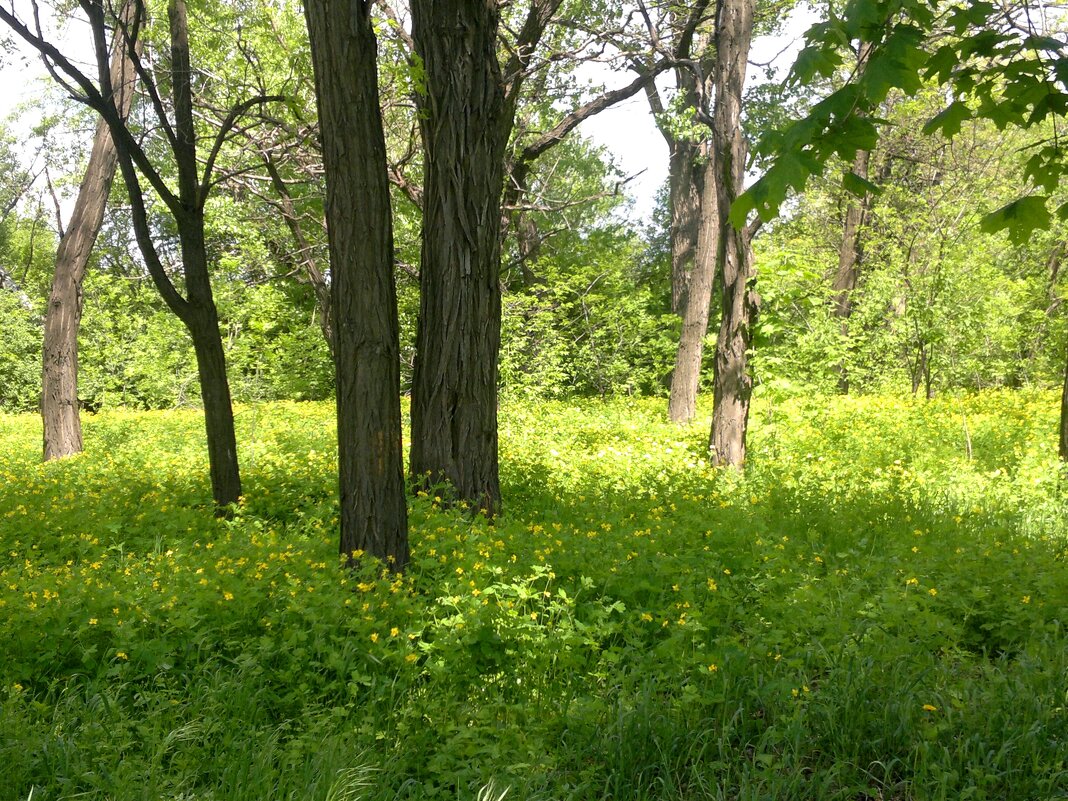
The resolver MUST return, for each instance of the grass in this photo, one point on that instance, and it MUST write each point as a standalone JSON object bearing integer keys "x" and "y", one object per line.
{"x": 875, "y": 611}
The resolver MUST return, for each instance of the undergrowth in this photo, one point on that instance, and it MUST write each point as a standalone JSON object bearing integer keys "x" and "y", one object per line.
{"x": 876, "y": 610}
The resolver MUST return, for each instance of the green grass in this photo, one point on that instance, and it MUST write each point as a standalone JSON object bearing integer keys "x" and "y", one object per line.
{"x": 869, "y": 614}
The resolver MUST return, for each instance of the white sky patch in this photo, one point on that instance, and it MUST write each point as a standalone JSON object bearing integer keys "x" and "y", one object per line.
{"x": 628, "y": 132}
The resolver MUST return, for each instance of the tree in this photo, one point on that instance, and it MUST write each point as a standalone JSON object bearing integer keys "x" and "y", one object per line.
{"x": 733, "y": 386}
{"x": 718, "y": 242}
{"x": 1007, "y": 64}
{"x": 171, "y": 100}
{"x": 697, "y": 299}
{"x": 59, "y": 384}
{"x": 465, "y": 127}
{"x": 692, "y": 198}
{"x": 363, "y": 293}
{"x": 468, "y": 112}
{"x": 850, "y": 252}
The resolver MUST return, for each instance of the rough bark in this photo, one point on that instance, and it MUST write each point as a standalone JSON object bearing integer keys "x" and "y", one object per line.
{"x": 374, "y": 516}
{"x": 202, "y": 320}
{"x": 465, "y": 128}
{"x": 685, "y": 187}
{"x": 849, "y": 254}
{"x": 686, "y": 378}
{"x": 851, "y": 250}
{"x": 733, "y": 384}
{"x": 59, "y": 379}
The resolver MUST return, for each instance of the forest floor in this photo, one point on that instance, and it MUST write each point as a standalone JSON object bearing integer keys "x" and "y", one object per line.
{"x": 877, "y": 610}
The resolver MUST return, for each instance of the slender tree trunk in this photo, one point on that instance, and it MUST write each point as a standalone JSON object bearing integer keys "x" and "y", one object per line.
{"x": 218, "y": 409}
{"x": 200, "y": 315}
{"x": 685, "y": 184}
{"x": 845, "y": 279}
{"x": 733, "y": 385}
{"x": 202, "y": 320}
{"x": 374, "y": 514}
{"x": 59, "y": 379}
{"x": 465, "y": 132}
{"x": 686, "y": 378}
{"x": 919, "y": 369}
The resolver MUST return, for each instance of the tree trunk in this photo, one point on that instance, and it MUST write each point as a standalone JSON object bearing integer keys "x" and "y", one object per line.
{"x": 845, "y": 279}
{"x": 374, "y": 514}
{"x": 733, "y": 385}
{"x": 465, "y": 131}
{"x": 202, "y": 320}
{"x": 686, "y": 378}
{"x": 59, "y": 379}
{"x": 199, "y": 313}
{"x": 685, "y": 196}
{"x": 203, "y": 325}
{"x": 920, "y": 369}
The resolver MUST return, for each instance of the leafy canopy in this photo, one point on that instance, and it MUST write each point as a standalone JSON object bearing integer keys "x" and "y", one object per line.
{"x": 1007, "y": 64}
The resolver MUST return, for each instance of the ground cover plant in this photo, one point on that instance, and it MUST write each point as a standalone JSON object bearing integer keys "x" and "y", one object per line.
{"x": 876, "y": 610}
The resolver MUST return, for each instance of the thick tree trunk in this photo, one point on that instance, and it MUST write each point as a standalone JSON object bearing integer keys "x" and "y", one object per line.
{"x": 733, "y": 385}
{"x": 686, "y": 378}
{"x": 845, "y": 279}
{"x": 685, "y": 185}
{"x": 465, "y": 131}
{"x": 59, "y": 379}
{"x": 374, "y": 514}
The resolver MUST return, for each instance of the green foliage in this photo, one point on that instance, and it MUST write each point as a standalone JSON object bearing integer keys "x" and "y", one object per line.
{"x": 26, "y": 250}
{"x": 941, "y": 298}
{"x": 876, "y": 609}
{"x": 20, "y": 356}
{"x": 1001, "y": 65}
{"x": 586, "y": 325}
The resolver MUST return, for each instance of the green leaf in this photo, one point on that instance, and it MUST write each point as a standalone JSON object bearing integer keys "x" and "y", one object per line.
{"x": 940, "y": 65}
{"x": 858, "y": 185}
{"x": 815, "y": 61}
{"x": 740, "y": 209}
{"x": 852, "y": 134}
{"x": 1020, "y": 218}
{"x": 949, "y": 120}
{"x": 1043, "y": 169}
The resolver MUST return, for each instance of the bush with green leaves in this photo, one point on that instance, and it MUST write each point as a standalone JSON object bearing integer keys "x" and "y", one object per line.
{"x": 20, "y": 355}
{"x": 586, "y": 324}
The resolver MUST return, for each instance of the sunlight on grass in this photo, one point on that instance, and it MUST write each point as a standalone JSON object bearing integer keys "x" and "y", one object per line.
{"x": 873, "y": 611}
